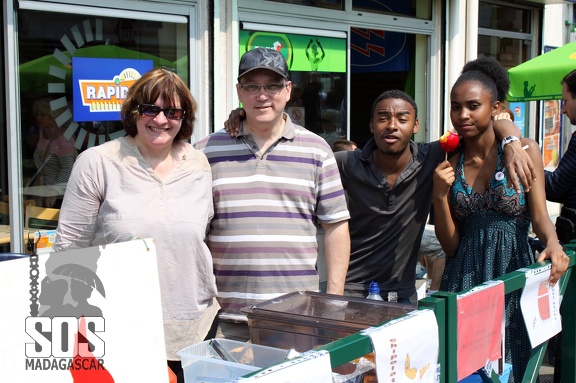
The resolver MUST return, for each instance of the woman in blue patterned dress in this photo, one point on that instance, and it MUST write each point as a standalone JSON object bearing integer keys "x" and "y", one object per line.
{"x": 481, "y": 222}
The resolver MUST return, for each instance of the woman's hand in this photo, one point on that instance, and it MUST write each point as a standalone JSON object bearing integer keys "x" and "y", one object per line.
{"x": 560, "y": 261}
{"x": 232, "y": 124}
{"x": 504, "y": 115}
{"x": 443, "y": 179}
{"x": 445, "y": 227}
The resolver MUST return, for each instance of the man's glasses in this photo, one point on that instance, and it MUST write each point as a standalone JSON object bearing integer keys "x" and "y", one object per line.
{"x": 269, "y": 88}
{"x": 153, "y": 111}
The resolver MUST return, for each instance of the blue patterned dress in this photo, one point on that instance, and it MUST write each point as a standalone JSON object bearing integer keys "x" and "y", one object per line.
{"x": 493, "y": 242}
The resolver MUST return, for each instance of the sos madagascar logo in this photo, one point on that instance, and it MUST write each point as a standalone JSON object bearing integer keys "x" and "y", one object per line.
{"x": 65, "y": 330}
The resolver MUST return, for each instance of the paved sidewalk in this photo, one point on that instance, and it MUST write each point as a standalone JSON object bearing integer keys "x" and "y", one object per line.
{"x": 546, "y": 373}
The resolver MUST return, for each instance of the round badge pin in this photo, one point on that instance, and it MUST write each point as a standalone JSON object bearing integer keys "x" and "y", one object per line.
{"x": 499, "y": 176}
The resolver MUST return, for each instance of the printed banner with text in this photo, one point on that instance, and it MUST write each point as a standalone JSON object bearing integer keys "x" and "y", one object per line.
{"x": 83, "y": 315}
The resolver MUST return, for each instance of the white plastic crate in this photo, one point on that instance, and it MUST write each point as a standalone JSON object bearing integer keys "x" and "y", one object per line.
{"x": 202, "y": 363}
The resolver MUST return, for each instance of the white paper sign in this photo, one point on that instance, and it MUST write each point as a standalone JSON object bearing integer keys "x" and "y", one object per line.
{"x": 540, "y": 306}
{"x": 116, "y": 289}
{"x": 310, "y": 367}
{"x": 406, "y": 348}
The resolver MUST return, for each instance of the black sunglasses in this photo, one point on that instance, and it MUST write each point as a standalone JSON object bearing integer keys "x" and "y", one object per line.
{"x": 153, "y": 111}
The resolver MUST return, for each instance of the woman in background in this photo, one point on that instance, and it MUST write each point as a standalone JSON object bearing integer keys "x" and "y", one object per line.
{"x": 54, "y": 155}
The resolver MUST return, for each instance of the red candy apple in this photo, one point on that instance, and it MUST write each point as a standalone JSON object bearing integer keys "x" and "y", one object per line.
{"x": 449, "y": 141}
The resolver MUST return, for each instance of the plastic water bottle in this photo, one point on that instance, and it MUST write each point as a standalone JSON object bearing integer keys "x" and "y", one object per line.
{"x": 392, "y": 296}
{"x": 374, "y": 292}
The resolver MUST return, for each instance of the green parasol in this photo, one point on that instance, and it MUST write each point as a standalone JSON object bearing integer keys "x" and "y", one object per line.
{"x": 540, "y": 77}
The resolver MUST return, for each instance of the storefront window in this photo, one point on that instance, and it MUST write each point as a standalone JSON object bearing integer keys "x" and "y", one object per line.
{"x": 509, "y": 52}
{"x": 329, "y": 4}
{"x": 324, "y": 92}
{"x": 420, "y": 8}
{"x": 60, "y": 115}
{"x": 4, "y": 208}
{"x": 317, "y": 67}
{"x": 390, "y": 7}
{"x": 381, "y": 61}
{"x": 504, "y": 33}
{"x": 504, "y": 18}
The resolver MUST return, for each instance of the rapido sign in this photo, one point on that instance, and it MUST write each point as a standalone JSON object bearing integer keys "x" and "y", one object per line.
{"x": 100, "y": 86}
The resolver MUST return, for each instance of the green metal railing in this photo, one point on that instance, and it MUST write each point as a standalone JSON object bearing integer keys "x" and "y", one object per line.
{"x": 512, "y": 282}
{"x": 444, "y": 305}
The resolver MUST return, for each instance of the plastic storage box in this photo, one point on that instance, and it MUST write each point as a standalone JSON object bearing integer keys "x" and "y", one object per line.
{"x": 203, "y": 362}
{"x": 306, "y": 320}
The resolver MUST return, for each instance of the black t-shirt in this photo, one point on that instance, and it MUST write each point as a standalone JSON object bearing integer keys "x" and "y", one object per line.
{"x": 386, "y": 224}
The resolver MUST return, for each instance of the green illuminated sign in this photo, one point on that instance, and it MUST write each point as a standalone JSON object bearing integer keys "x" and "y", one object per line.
{"x": 303, "y": 53}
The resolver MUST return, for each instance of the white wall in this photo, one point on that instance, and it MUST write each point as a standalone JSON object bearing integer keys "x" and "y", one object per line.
{"x": 555, "y": 32}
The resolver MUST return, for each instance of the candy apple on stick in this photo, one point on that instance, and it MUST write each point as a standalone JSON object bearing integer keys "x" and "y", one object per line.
{"x": 449, "y": 142}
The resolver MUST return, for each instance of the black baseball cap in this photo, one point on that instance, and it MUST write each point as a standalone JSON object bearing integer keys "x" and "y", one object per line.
{"x": 263, "y": 58}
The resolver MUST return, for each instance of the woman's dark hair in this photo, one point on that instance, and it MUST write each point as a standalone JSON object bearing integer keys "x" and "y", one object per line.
{"x": 488, "y": 71}
{"x": 146, "y": 90}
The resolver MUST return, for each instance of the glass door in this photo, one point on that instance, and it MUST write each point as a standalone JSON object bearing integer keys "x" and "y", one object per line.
{"x": 384, "y": 60}
{"x": 317, "y": 63}
{"x": 74, "y": 70}
{"x": 4, "y": 207}
{"x": 59, "y": 117}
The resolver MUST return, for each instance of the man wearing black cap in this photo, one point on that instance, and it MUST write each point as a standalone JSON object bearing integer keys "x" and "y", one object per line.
{"x": 271, "y": 184}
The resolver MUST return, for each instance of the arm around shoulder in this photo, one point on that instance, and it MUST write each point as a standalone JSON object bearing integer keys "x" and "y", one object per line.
{"x": 520, "y": 166}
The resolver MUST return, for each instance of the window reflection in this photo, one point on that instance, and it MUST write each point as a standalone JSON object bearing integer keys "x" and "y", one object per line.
{"x": 52, "y": 133}
{"x": 420, "y": 8}
{"x": 52, "y": 153}
{"x": 504, "y": 18}
{"x": 509, "y": 52}
{"x": 4, "y": 209}
{"x": 317, "y": 67}
{"x": 330, "y": 4}
{"x": 313, "y": 93}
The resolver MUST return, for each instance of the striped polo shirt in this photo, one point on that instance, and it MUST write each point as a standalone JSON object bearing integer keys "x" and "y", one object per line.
{"x": 263, "y": 234}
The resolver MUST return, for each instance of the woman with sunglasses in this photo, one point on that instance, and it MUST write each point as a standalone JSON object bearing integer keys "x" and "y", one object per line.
{"x": 151, "y": 184}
